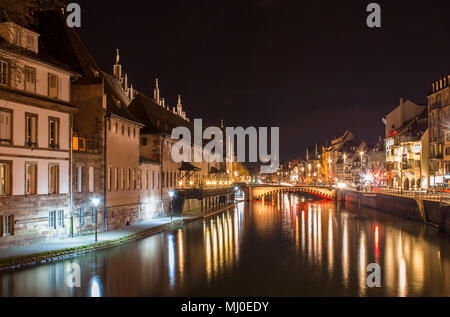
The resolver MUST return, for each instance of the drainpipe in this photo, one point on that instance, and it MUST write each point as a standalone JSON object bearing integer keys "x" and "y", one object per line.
{"x": 71, "y": 174}
{"x": 161, "y": 174}
{"x": 105, "y": 175}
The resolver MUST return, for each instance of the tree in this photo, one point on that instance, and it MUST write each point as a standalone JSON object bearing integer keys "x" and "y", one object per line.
{"x": 23, "y": 12}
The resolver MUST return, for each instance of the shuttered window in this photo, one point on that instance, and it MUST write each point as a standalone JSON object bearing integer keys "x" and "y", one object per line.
{"x": 53, "y": 86}
{"x": 5, "y": 126}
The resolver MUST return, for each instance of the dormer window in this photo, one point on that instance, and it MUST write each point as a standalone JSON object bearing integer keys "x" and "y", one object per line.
{"x": 20, "y": 36}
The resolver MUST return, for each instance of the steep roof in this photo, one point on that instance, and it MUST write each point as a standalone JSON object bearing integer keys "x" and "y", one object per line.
{"x": 65, "y": 45}
{"x": 156, "y": 118}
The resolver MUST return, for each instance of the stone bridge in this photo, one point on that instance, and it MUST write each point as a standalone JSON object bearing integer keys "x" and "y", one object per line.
{"x": 257, "y": 192}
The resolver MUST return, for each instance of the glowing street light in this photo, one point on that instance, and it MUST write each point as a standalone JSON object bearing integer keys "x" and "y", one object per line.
{"x": 95, "y": 202}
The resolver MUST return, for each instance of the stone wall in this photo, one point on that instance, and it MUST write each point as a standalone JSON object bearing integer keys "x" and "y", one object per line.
{"x": 31, "y": 219}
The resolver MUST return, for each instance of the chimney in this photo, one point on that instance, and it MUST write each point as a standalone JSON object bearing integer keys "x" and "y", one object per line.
{"x": 131, "y": 92}
{"x": 156, "y": 92}
{"x": 163, "y": 103}
{"x": 117, "y": 69}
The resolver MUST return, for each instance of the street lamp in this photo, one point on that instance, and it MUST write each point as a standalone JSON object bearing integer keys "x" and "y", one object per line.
{"x": 171, "y": 195}
{"x": 95, "y": 202}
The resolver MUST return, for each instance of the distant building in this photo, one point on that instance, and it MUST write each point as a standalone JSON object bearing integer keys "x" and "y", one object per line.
{"x": 439, "y": 129}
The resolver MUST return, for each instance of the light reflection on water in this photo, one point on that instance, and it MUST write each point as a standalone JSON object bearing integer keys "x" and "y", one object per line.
{"x": 294, "y": 247}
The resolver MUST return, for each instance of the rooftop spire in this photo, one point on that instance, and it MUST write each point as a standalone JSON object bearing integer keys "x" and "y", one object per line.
{"x": 117, "y": 57}
{"x": 156, "y": 92}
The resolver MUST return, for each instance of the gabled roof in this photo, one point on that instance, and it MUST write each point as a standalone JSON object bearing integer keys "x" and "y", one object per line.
{"x": 117, "y": 101}
{"x": 156, "y": 118}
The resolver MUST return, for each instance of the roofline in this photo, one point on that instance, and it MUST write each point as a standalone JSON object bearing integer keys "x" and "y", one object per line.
{"x": 67, "y": 70}
{"x": 128, "y": 120}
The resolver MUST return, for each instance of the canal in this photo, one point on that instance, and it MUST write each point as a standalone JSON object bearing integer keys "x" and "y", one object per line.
{"x": 299, "y": 247}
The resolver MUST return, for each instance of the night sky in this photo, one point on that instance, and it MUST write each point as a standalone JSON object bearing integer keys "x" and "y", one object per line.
{"x": 312, "y": 68}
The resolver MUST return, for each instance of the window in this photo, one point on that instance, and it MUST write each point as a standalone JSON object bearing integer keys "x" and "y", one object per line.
{"x": 9, "y": 225}
{"x": 93, "y": 214}
{"x": 31, "y": 130}
{"x": 80, "y": 179}
{"x": 5, "y": 126}
{"x": 53, "y": 133}
{"x": 61, "y": 218}
{"x": 134, "y": 132}
{"x": 129, "y": 177}
{"x": 81, "y": 216}
{"x": 30, "y": 179}
{"x": 116, "y": 179}
{"x": 30, "y": 79}
{"x": 147, "y": 180}
{"x": 122, "y": 178}
{"x": 5, "y": 178}
{"x": 129, "y": 131}
{"x": 52, "y": 86}
{"x": 52, "y": 219}
{"x": 144, "y": 141}
{"x": 53, "y": 179}
{"x": 153, "y": 179}
{"x": 116, "y": 127}
{"x": 123, "y": 129}
{"x": 91, "y": 179}
{"x": 109, "y": 178}
{"x": 4, "y": 73}
{"x": 133, "y": 174}
{"x": 139, "y": 179}
{"x": 30, "y": 41}
{"x": 159, "y": 182}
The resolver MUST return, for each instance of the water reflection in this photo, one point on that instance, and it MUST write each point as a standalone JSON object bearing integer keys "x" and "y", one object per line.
{"x": 295, "y": 247}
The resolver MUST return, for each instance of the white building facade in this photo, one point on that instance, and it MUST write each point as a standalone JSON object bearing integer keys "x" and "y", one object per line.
{"x": 35, "y": 141}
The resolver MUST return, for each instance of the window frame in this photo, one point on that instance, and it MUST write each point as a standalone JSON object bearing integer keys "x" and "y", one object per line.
{"x": 56, "y": 165}
{"x": 6, "y": 62}
{"x": 34, "y": 166}
{"x": 33, "y": 69}
{"x": 11, "y": 113}
{"x": 36, "y": 129}
{"x": 9, "y": 183}
{"x": 57, "y": 86}
{"x": 57, "y": 121}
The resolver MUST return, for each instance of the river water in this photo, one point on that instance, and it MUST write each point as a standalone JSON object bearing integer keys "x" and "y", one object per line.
{"x": 299, "y": 247}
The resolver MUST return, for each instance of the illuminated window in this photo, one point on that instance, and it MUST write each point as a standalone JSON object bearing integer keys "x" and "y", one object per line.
{"x": 53, "y": 133}
{"x": 30, "y": 130}
{"x": 31, "y": 179}
{"x": 5, "y": 178}
{"x": 53, "y": 179}
{"x": 5, "y": 126}
{"x": 52, "y": 86}
{"x": 30, "y": 79}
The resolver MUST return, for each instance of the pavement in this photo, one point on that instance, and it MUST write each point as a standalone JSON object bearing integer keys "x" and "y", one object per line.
{"x": 68, "y": 243}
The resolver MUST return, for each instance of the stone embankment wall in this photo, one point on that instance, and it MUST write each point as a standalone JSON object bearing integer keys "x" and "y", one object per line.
{"x": 426, "y": 211}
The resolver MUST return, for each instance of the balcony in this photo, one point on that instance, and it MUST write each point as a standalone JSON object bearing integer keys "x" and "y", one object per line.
{"x": 86, "y": 145}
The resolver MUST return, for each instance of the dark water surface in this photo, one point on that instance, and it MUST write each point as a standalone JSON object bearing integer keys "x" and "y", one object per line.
{"x": 300, "y": 247}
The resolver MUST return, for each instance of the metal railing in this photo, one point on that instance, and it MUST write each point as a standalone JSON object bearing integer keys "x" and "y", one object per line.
{"x": 435, "y": 196}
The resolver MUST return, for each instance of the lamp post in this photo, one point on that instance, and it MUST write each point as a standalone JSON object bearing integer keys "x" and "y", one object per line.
{"x": 95, "y": 202}
{"x": 171, "y": 195}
